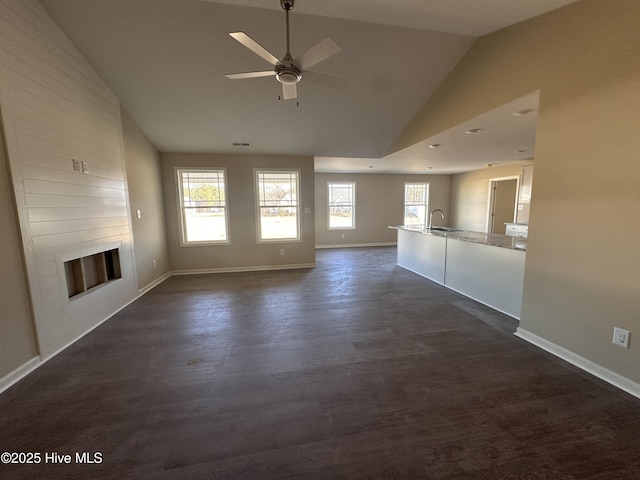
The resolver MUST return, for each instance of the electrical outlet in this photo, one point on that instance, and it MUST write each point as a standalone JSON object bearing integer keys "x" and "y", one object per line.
{"x": 155, "y": 264}
{"x": 85, "y": 167}
{"x": 342, "y": 236}
{"x": 282, "y": 251}
{"x": 621, "y": 337}
{"x": 76, "y": 165}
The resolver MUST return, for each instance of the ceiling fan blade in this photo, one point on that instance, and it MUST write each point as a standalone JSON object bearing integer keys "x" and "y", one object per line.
{"x": 326, "y": 80}
{"x": 316, "y": 54}
{"x": 289, "y": 92}
{"x": 236, "y": 76}
{"x": 255, "y": 47}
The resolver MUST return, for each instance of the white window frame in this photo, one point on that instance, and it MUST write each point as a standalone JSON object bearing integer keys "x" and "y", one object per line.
{"x": 406, "y": 204}
{"x": 181, "y": 207}
{"x": 330, "y": 183}
{"x": 295, "y": 203}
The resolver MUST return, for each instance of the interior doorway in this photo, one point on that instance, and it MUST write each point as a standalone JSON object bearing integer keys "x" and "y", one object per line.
{"x": 502, "y": 203}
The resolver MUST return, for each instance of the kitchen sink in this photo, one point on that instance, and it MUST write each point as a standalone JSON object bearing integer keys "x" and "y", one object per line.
{"x": 444, "y": 229}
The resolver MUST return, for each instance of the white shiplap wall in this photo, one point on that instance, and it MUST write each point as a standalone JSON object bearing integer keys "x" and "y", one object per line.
{"x": 55, "y": 108}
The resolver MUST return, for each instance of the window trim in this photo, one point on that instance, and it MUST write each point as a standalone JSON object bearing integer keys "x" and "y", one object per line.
{"x": 353, "y": 203}
{"x": 426, "y": 204}
{"x": 298, "y": 206}
{"x": 183, "y": 221}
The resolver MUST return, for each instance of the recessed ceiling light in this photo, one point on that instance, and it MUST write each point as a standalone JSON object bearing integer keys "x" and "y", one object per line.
{"x": 488, "y": 165}
{"x": 473, "y": 131}
{"x": 241, "y": 144}
{"x": 434, "y": 145}
{"x": 429, "y": 168}
{"x": 524, "y": 111}
{"x": 522, "y": 150}
{"x": 370, "y": 166}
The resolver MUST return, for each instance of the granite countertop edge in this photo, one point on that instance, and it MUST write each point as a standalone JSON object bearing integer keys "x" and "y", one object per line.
{"x": 492, "y": 239}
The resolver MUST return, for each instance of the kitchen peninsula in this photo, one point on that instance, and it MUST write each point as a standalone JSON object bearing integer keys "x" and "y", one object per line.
{"x": 486, "y": 267}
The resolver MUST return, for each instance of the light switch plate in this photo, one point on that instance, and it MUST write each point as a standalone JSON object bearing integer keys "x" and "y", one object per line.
{"x": 621, "y": 337}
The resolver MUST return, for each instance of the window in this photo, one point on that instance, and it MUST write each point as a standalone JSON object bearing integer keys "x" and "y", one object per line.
{"x": 278, "y": 205}
{"x": 416, "y": 203}
{"x": 203, "y": 206}
{"x": 342, "y": 205}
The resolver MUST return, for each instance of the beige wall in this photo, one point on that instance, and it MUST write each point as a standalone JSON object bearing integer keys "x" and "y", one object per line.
{"x": 145, "y": 194}
{"x": 379, "y": 203}
{"x": 244, "y": 252}
{"x": 470, "y": 196}
{"x": 17, "y": 335}
{"x": 583, "y": 261}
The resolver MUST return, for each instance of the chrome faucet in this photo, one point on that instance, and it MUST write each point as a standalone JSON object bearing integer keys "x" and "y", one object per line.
{"x": 431, "y": 216}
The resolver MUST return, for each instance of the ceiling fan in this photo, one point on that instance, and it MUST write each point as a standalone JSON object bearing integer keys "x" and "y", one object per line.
{"x": 288, "y": 71}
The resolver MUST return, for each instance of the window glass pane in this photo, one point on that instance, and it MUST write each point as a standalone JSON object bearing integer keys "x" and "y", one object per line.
{"x": 416, "y": 203}
{"x": 414, "y": 215}
{"x": 278, "y": 205}
{"x": 278, "y": 223}
{"x": 202, "y": 225}
{"x": 341, "y": 199}
{"x": 340, "y": 217}
{"x": 204, "y": 205}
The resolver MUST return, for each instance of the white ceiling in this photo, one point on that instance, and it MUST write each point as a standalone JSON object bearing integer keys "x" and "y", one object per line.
{"x": 507, "y": 135}
{"x": 464, "y": 17}
{"x": 166, "y": 59}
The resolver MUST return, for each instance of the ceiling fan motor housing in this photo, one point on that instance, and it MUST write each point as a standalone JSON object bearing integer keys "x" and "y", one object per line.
{"x": 287, "y": 4}
{"x": 288, "y": 74}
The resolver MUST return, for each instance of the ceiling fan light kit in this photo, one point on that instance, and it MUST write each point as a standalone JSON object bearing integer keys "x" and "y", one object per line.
{"x": 289, "y": 71}
{"x": 288, "y": 74}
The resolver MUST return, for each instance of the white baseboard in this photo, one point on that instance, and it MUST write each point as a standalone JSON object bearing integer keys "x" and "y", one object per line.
{"x": 19, "y": 373}
{"x": 155, "y": 283}
{"x": 623, "y": 383}
{"x": 357, "y": 245}
{"x": 258, "y": 268}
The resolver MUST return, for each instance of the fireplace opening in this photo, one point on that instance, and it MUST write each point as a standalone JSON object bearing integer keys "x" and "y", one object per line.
{"x": 88, "y": 272}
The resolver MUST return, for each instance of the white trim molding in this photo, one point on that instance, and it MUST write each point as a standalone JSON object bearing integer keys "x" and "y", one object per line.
{"x": 356, "y": 245}
{"x": 258, "y": 268}
{"x": 153, "y": 284}
{"x": 623, "y": 383}
{"x": 19, "y": 373}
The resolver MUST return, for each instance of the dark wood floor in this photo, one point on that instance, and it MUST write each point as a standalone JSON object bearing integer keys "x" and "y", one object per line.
{"x": 357, "y": 369}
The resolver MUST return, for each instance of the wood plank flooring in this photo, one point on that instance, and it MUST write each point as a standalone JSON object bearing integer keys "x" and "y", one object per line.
{"x": 357, "y": 369}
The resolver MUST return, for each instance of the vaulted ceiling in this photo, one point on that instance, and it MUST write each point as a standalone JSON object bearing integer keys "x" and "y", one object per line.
{"x": 166, "y": 60}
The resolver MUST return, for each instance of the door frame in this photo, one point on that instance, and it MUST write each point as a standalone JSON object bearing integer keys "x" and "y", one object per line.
{"x": 491, "y": 199}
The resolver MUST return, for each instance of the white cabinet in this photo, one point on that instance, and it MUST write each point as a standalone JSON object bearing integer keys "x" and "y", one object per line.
{"x": 491, "y": 275}
{"x": 524, "y": 194}
{"x": 517, "y": 230}
{"x": 526, "y": 184}
{"x": 423, "y": 254}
